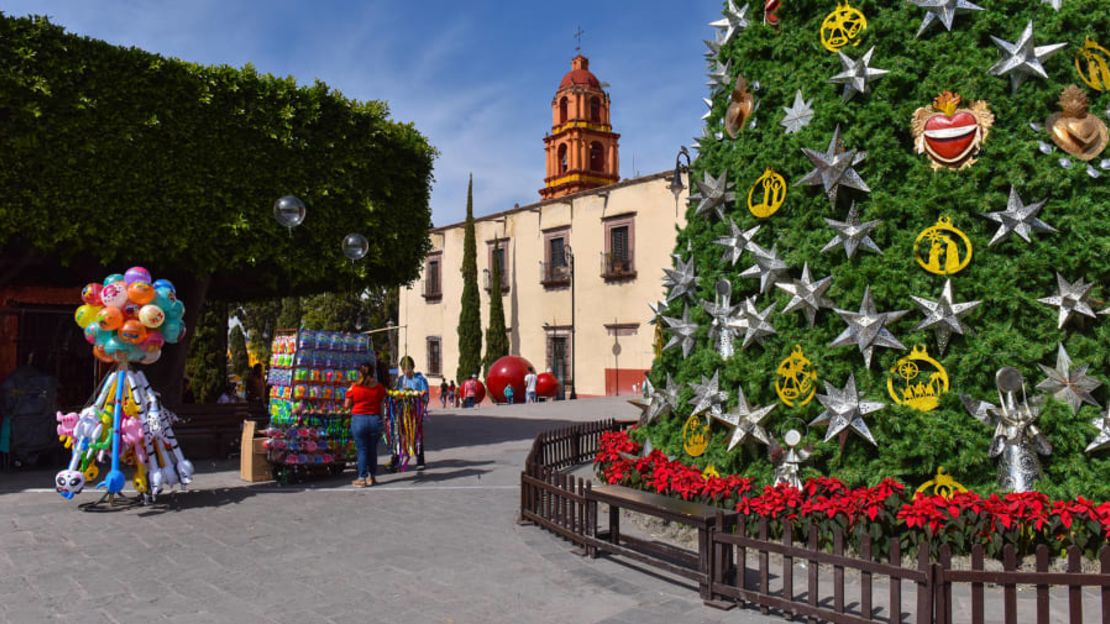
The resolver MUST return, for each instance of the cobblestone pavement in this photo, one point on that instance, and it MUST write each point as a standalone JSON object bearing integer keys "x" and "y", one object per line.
{"x": 439, "y": 546}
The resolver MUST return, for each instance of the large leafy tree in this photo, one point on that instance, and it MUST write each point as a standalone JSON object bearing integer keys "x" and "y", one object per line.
{"x": 113, "y": 156}
{"x": 1010, "y": 327}
{"x": 259, "y": 319}
{"x": 497, "y": 342}
{"x": 470, "y": 321}
{"x": 237, "y": 347}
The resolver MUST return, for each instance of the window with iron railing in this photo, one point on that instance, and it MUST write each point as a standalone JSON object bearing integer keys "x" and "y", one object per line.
{"x": 434, "y": 356}
{"x": 556, "y": 270}
{"x": 433, "y": 288}
{"x": 498, "y": 255}
{"x": 617, "y": 261}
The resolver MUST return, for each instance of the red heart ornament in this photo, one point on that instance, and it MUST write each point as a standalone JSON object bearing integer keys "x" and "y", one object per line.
{"x": 951, "y": 139}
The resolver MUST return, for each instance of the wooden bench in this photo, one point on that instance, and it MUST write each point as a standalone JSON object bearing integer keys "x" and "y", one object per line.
{"x": 679, "y": 561}
{"x": 210, "y": 430}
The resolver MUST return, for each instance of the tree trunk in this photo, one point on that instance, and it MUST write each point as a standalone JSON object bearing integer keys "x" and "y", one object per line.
{"x": 167, "y": 376}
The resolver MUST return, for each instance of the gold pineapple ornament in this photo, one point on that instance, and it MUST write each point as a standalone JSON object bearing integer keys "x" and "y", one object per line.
{"x": 1073, "y": 129}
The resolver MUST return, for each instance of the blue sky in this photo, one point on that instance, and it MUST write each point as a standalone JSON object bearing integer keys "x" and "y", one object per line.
{"x": 475, "y": 76}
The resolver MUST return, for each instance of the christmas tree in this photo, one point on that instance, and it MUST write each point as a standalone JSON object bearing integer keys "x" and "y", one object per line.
{"x": 893, "y": 160}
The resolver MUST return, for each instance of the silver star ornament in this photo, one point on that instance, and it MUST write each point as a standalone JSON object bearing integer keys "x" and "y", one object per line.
{"x": 713, "y": 194}
{"x": 856, "y": 74}
{"x": 737, "y": 242}
{"x": 867, "y": 328}
{"x": 835, "y": 168}
{"x": 844, "y": 409}
{"x": 943, "y": 11}
{"x": 682, "y": 332}
{"x": 768, "y": 267}
{"x": 1070, "y": 299}
{"x": 708, "y": 397}
{"x": 943, "y": 315}
{"x": 753, "y": 323}
{"x": 733, "y": 22}
{"x": 680, "y": 281}
{"x": 1069, "y": 384}
{"x": 798, "y": 115}
{"x": 1102, "y": 440}
{"x": 1021, "y": 59}
{"x": 718, "y": 76}
{"x": 663, "y": 401}
{"x": 1018, "y": 218}
{"x": 807, "y": 295}
{"x": 852, "y": 234}
{"x": 745, "y": 420}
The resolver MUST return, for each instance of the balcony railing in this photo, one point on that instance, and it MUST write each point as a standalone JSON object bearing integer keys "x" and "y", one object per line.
{"x": 552, "y": 275}
{"x": 432, "y": 291}
{"x": 488, "y": 282}
{"x": 617, "y": 267}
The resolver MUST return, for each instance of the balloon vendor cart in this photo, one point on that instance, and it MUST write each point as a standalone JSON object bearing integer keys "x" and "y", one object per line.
{"x": 310, "y": 431}
{"x": 127, "y": 318}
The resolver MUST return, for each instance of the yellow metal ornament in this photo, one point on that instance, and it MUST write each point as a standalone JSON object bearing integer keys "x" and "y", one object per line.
{"x": 695, "y": 436}
{"x": 710, "y": 472}
{"x": 1092, "y": 61}
{"x": 949, "y": 249}
{"x": 913, "y": 387}
{"x": 796, "y": 379}
{"x": 842, "y": 26}
{"x": 773, "y": 186}
{"x": 943, "y": 485}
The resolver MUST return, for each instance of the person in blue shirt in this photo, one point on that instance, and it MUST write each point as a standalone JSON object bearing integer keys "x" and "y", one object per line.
{"x": 412, "y": 380}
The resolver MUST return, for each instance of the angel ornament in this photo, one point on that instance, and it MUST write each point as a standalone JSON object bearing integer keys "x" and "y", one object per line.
{"x": 788, "y": 460}
{"x": 1017, "y": 439}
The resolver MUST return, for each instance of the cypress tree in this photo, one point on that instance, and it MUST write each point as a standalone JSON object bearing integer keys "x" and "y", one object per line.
{"x": 237, "y": 345}
{"x": 470, "y": 321}
{"x": 497, "y": 343}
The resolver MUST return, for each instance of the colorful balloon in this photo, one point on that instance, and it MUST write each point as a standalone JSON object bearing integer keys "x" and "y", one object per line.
{"x": 113, "y": 278}
{"x": 114, "y": 295}
{"x": 153, "y": 341}
{"x": 150, "y": 357}
{"x": 90, "y": 294}
{"x": 172, "y": 330}
{"x": 168, "y": 294}
{"x": 141, "y": 293}
{"x": 165, "y": 283}
{"x": 91, "y": 332}
{"x": 100, "y": 354}
{"x": 132, "y": 332}
{"x": 176, "y": 310}
{"x": 136, "y": 274}
{"x": 109, "y": 319}
{"x": 152, "y": 316}
{"x": 86, "y": 314}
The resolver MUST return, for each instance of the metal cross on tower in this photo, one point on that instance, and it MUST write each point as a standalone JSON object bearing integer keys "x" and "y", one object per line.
{"x": 578, "y": 35}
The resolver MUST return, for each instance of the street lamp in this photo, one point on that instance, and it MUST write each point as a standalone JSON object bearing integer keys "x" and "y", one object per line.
{"x": 676, "y": 179}
{"x": 569, "y": 253}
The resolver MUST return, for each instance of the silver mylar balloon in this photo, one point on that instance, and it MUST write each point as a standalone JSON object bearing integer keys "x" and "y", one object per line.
{"x": 289, "y": 211}
{"x": 355, "y": 246}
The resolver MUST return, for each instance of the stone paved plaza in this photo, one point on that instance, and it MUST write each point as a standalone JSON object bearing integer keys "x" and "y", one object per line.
{"x": 439, "y": 546}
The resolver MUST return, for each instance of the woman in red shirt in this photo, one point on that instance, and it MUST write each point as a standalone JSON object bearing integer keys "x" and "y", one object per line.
{"x": 366, "y": 400}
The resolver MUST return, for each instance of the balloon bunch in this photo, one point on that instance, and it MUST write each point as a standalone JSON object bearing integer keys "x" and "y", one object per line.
{"x": 145, "y": 439}
{"x": 129, "y": 317}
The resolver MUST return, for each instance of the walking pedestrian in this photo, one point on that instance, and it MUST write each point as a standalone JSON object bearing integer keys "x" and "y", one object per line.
{"x": 470, "y": 391}
{"x": 366, "y": 400}
{"x": 443, "y": 390}
{"x": 452, "y": 391}
{"x": 530, "y": 386}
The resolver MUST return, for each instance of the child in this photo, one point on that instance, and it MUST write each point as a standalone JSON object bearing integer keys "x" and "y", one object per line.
{"x": 509, "y": 395}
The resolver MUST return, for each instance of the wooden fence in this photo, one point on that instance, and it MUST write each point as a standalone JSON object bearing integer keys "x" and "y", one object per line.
{"x": 806, "y": 579}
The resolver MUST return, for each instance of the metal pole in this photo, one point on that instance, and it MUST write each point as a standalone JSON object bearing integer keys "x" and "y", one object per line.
{"x": 573, "y": 332}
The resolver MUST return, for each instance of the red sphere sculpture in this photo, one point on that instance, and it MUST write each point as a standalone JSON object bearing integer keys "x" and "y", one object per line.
{"x": 480, "y": 393}
{"x": 547, "y": 385}
{"x": 508, "y": 370}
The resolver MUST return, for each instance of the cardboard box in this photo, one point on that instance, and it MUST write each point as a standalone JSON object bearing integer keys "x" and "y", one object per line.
{"x": 253, "y": 466}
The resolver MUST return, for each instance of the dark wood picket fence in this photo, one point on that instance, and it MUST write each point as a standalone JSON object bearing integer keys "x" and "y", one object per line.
{"x": 745, "y": 566}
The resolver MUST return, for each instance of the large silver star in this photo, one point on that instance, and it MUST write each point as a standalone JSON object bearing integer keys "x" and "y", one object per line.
{"x": 852, "y": 234}
{"x": 807, "y": 295}
{"x": 714, "y": 193}
{"x": 745, "y": 420}
{"x": 768, "y": 267}
{"x": 834, "y": 168}
{"x": 709, "y": 107}
{"x": 1018, "y": 218}
{"x": 1071, "y": 385}
{"x": 718, "y": 76}
{"x": 1070, "y": 299}
{"x": 680, "y": 280}
{"x": 682, "y": 331}
{"x": 867, "y": 328}
{"x": 663, "y": 401}
{"x": 708, "y": 397}
{"x": 844, "y": 409}
{"x": 658, "y": 309}
{"x": 753, "y": 323}
{"x": 943, "y": 315}
{"x": 1102, "y": 440}
{"x": 855, "y": 74}
{"x": 713, "y": 47}
{"x": 737, "y": 242}
{"x": 1022, "y": 59}
{"x": 733, "y": 22}
{"x": 943, "y": 11}
{"x": 798, "y": 115}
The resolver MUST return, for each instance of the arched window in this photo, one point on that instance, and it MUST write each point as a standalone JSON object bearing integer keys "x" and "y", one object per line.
{"x": 563, "y": 110}
{"x": 597, "y": 157}
{"x": 595, "y": 110}
{"x": 563, "y": 158}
